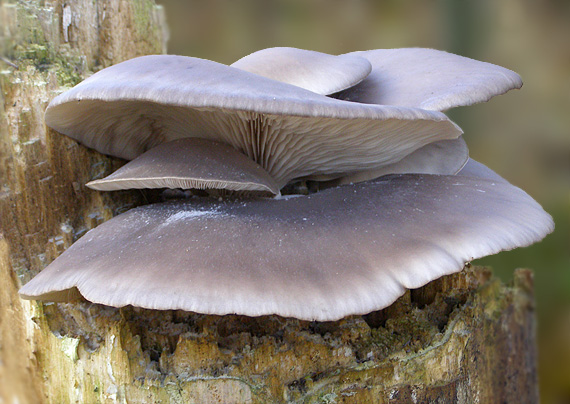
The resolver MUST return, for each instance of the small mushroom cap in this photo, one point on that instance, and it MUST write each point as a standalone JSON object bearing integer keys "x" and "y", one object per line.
{"x": 190, "y": 163}
{"x": 346, "y": 250}
{"x": 126, "y": 109}
{"x": 318, "y": 72}
{"x": 429, "y": 79}
{"x": 446, "y": 157}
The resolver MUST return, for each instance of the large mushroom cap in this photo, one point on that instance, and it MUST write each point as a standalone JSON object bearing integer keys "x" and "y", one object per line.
{"x": 190, "y": 163}
{"x": 429, "y": 79}
{"x": 318, "y": 72}
{"x": 128, "y": 108}
{"x": 346, "y": 250}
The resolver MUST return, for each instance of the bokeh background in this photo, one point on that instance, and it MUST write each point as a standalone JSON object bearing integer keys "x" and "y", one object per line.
{"x": 524, "y": 135}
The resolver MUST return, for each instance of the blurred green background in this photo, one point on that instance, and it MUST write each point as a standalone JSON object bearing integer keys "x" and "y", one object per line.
{"x": 524, "y": 135}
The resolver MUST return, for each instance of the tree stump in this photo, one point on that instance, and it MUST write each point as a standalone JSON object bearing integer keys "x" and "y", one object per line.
{"x": 463, "y": 338}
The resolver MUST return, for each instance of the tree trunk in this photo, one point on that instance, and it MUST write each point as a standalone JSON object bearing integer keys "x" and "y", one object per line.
{"x": 463, "y": 338}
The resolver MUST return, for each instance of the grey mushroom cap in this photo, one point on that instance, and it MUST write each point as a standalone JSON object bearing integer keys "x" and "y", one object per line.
{"x": 126, "y": 109}
{"x": 190, "y": 163}
{"x": 346, "y": 250}
{"x": 429, "y": 79}
{"x": 318, "y": 72}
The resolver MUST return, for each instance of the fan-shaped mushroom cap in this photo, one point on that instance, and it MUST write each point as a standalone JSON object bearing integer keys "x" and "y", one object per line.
{"x": 429, "y": 79}
{"x": 190, "y": 163}
{"x": 318, "y": 72}
{"x": 444, "y": 157}
{"x": 346, "y": 250}
{"x": 126, "y": 109}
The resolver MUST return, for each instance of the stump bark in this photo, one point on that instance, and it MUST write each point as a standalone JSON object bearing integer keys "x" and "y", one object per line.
{"x": 465, "y": 338}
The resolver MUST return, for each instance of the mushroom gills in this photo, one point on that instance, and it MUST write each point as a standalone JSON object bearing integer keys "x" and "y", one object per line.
{"x": 127, "y": 109}
{"x": 347, "y": 250}
{"x": 190, "y": 163}
{"x": 318, "y": 72}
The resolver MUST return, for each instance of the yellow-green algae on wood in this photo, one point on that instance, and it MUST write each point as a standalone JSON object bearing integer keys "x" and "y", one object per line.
{"x": 464, "y": 338}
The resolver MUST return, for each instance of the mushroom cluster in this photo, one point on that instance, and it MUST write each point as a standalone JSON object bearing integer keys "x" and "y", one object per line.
{"x": 403, "y": 204}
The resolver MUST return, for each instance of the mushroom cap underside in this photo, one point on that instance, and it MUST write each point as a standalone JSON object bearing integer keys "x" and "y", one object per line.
{"x": 445, "y": 157}
{"x": 190, "y": 163}
{"x": 129, "y": 108}
{"x": 346, "y": 250}
{"x": 204, "y": 164}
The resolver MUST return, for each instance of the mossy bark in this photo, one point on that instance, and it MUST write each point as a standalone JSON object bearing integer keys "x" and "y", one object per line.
{"x": 464, "y": 338}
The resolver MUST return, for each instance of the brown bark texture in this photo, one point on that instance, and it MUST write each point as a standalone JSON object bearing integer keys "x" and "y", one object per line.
{"x": 465, "y": 338}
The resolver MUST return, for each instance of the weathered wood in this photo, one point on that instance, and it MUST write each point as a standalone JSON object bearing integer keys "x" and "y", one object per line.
{"x": 463, "y": 338}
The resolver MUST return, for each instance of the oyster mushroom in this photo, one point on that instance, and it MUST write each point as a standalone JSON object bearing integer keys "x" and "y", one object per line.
{"x": 127, "y": 109}
{"x": 347, "y": 250}
{"x": 428, "y": 79}
{"x": 314, "y": 71}
{"x": 433, "y": 80}
{"x": 190, "y": 163}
